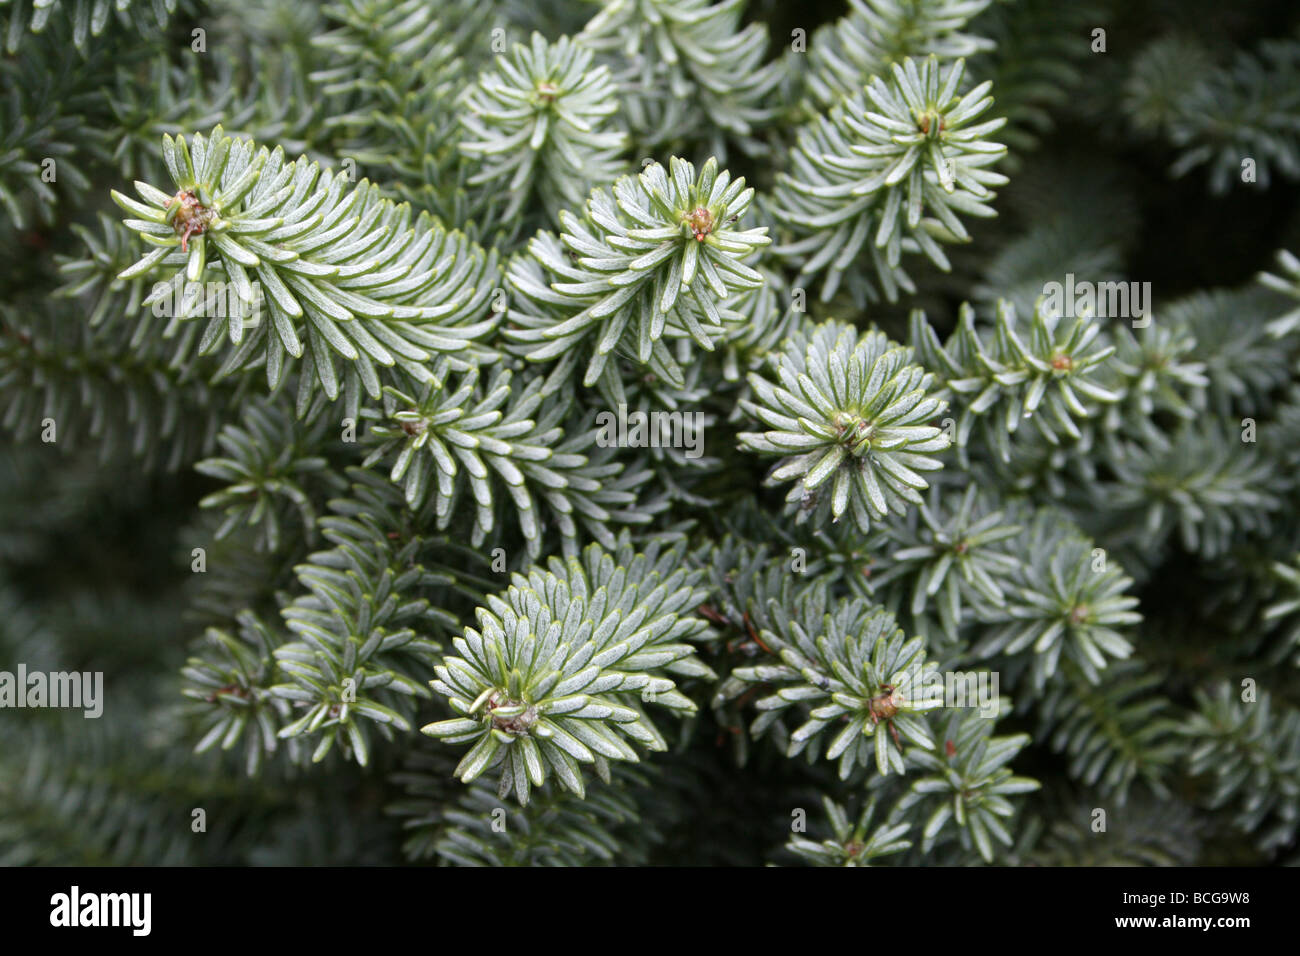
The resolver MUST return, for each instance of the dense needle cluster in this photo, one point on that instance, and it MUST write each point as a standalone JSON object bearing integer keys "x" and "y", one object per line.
{"x": 650, "y": 432}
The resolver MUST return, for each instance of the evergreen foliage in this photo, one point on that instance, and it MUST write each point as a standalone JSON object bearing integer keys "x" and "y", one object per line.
{"x": 871, "y": 168}
{"x": 655, "y": 258}
{"x": 853, "y": 411}
{"x": 651, "y": 432}
{"x": 678, "y": 62}
{"x": 535, "y": 125}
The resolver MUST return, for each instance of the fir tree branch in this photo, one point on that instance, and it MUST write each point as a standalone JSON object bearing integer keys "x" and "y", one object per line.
{"x": 345, "y": 270}
{"x": 87, "y": 18}
{"x": 270, "y": 469}
{"x": 866, "y": 174}
{"x": 538, "y": 125}
{"x": 1251, "y": 751}
{"x": 547, "y": 682}
{"x": 687, "y": 65}
{"x": 850, "y": 675}
{"x": 1205, "y": 482}
{"x": 1248, "y": 109}
{"x": 1044, "y": 376}
{"x": 852, "y": 844}
{"x": 653, "y": 259}
{"x": 1066, "y": 601}
{"x": 949, "y": 559}
{"x": 875, "y": 34}
{"x": 852, "y": 417}
{"x": 966, "y": 789}
{"x": 1113, "y": 733}
{"x": 396, "y": 69}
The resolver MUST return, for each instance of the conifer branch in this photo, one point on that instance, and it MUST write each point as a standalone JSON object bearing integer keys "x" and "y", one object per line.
{"x": 687, "y": 65}
{"x": 653, "y": 259}
{"x": 1069, "y": 603}
{"x": 538, "y": 125}
{"x": 1206, "y": 483}
{"x": 889, "y": 171}
{"x": 852, "y": 843}
{"x": 86, "y": 18}
{"x": 345, "y": 270}
{"x": 269, "y": 466}
{"x": 1044, "y": 373}
{"x": 851, "y": 414}
{"x": 1114, "y": 733}
{"x": 875, "y": 34}
{"x": 1251, "y": 752}
{"x": 850, "y": 662}
{"x": 556, "y": 672}
{"x": 948, "y": 558}
{"x": 968, "y": 785}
